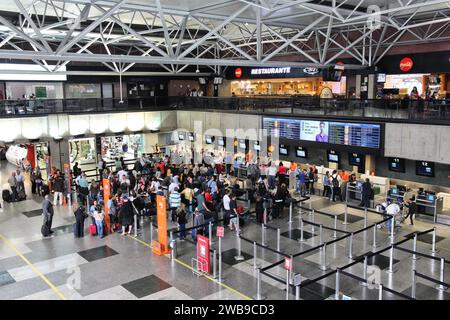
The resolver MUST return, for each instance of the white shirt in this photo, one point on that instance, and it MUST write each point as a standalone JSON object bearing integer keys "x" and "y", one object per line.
{"x": 172, "y": 187}
{"x": 226, "y": 202}
{"x": 155, "y": 186}
{"x": 272, "y": 171}
{"x": 122, "y": 173}
{"x": 393, "y": 209}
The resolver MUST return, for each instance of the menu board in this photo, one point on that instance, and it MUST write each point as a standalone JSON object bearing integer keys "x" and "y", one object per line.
{"x": 341, "y": 133}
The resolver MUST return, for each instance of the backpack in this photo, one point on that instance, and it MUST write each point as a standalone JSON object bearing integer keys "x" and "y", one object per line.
{"x": 335, "y": 182}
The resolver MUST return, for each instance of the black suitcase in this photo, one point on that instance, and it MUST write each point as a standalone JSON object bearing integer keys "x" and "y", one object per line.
{"x": 6, "y": 195}
{"x": 21, "y": 195}
{"x": 45, "y": 190}
{"x": 45, "y": 230}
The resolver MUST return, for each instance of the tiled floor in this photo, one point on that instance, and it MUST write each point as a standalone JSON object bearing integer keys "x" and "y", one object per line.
{"x": 124, "y": 268}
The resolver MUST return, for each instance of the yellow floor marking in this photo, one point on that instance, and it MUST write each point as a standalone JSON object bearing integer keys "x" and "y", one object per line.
{"x": 206, "y": 276}
{"x": 44, "y": 278}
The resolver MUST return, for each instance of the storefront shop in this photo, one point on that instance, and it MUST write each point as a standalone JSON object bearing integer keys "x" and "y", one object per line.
{"x": 284, "y": 81}
{"x": 126, "y": 147}
{"x": 428, "y": 72}
{"x": 31, "y": 155}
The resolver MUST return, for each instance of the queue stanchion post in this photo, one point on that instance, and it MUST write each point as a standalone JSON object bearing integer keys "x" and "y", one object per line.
{"x": 290, "y": 213}
{"x": 433, "y": 243}
{"x": 151, "y": 232}
{"x": 220, "y": 260}
{"x": 135, "y": 225}
{"x": 391, "y": 260}
{"x": 210, "y": 233}
{"x": 350, "y": 246}
{"x": 364, "y": 283}
{"x": 334, "y": 236}
{"x": 142, "y": 220}
{"x": 374, "y": 244}
{"x": 441, "y": 287}
{"x": 321, "y": 234}
{"x": 345, "y": 215}
{"x": 365, "y": 217}
{"x": 255, "y": 249}
{"x": 239, "y": 257}
{"x": 258, "y": 295}
{"x": 265, "y": 216}
{"x": 302, "y": 238}
{"x": 392, "y": 229}
{"x": 263, "y": 234}
{"x": 297, "y": 292}
{"x": 310, "y": 204}
{"x": 313, "y": 221}
{"x": 380, "y": 292}
{"x": 336, "y": 293}
{"x": 287, "y": 284}
{"x": 413, "y": 284}
{"x": 278, "y": 239}
{"x": 414, "y": 257}
{"x": 214, "y": 264}
{"x": 324, "y": 266}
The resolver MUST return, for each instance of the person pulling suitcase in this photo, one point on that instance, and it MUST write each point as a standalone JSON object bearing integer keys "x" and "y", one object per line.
{"x": 47, "y": 212}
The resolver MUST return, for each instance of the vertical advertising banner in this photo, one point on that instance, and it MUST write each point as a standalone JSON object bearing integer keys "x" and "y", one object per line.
{"x": 203, "y": 256}
{"x": 106, "y": 194}
{"x": 162, "y": 246}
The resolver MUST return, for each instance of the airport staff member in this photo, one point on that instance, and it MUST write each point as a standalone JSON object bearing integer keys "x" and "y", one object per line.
{"x": 412, "y": 209}
{"x": 366, "y": 193}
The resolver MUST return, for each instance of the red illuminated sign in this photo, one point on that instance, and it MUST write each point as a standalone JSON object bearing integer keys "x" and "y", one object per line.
{"x": 406, "y": 64}
{"x": 238, "y": 72}
{"x": 203, "y": 258}
{"x": 288, "y": 264}
{"x": 220, "y": 232}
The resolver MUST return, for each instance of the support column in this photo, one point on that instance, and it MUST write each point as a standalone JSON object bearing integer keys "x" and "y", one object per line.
{"x": 59, "y": 153}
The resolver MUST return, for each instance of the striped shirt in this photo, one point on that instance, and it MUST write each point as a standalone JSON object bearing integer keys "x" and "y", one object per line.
{"x": 175, "y": 199}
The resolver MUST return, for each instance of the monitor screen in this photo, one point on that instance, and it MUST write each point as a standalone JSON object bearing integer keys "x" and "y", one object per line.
{"x": 208, "y": 140}
{"x": 221, "y": 141}
{"x": 431, "y": 197}
{"x": 355, "y": 159}
{"x": 397, "y": 165}
{"x": 256, "y": 146}
{"x": 381, "y": 77}
{"x": 191, "y": 137}
{"x": 284, "y": 150}
{"x": 332, "y": 74}
{"x": 180, "y": 136}
{"x": 394, "y": 191}
{"x": 242, "y": 144}
{"x": 218, "y": 80}
{"x": 425, "y": 168}
{"x": 333, "y": 156}
{"x": 340, "y": 133}
{"x": 202, "y": 80}
{"x": 300, "y": 152}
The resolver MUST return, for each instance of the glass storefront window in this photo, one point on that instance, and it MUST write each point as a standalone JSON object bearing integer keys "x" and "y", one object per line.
{"x": 82, "y": 151}
{"x": 83, "y": 90}
{"x": 127, "y": 146}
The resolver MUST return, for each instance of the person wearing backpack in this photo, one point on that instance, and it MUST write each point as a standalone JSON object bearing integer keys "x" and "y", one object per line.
{"x": 336, "y": 186}
{"x": 326, "y": 185}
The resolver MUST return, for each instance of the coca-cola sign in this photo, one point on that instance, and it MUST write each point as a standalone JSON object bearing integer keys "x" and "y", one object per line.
{"x": 406, "y": 64}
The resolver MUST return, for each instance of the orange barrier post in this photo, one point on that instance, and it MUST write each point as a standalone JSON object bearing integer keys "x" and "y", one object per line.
{"x": 106, "y": 193}
{"x": 161, "y": 246}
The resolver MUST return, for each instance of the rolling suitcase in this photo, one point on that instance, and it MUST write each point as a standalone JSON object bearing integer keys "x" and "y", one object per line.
{"x": 6, "y": 195}
{"x": 93, "y": 230}
{"x": 45, "y": 230}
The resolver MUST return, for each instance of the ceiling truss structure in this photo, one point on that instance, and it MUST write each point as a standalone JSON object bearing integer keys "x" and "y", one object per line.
{"x": 124, "y": 34}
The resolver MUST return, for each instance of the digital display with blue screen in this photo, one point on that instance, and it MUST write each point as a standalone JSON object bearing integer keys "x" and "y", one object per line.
{"x": 431, "y": 197}
{"x": 342, "y": 133}
{"x": 425, "y": 168}
{"x": 394, "y": 191}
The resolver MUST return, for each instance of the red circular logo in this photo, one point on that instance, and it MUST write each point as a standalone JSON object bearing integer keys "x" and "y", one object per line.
{"x": 406, "y": 64}
{"x": 238, "y": 72}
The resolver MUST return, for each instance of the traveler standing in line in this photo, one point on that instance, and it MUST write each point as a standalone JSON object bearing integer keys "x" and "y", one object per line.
{"x": 75, "y": 170}
{"x": 117, "y": 164}
{"x": 282, "y": 173}
{"x": 336, "y": 183}
{"x": 47, "y": 211}
{"x": 326, "y": 185}
{"x": 227, "y": 209}
{"x": 13, "y": 185}
{"x": 58, "y": 188}
{"x": 234, "y": 222}
{"x": 311, "y": 179}
{"x": 181, "y": 219}
{"x": 99, "y": 216}
{"x": 366, "y": 193}
{"x": 272, "y": 172}
{"x": 175, "y": 202}
{"x": 126, "y": 216}
{"x": 412, "y": 209}
{"x": 80, "y": 215}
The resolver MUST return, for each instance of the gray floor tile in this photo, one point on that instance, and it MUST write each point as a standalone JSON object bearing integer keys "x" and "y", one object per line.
{"x": 379, "y": 260}
{"x": 146, "y": 286}
{"x": 428, "y": 292}
{"x": 97, "y": 253}
{"x": 295, "y": 234}
{"x": 6, "y": 278}
{"x": 427, "y": 238}
{"x": 228, "y": 256}
{"x": 351, "y": 218}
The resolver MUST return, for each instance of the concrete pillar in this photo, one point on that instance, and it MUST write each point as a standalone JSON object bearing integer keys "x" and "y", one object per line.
{"x": 358, "y": 86}
{"x": 371, "y": 86}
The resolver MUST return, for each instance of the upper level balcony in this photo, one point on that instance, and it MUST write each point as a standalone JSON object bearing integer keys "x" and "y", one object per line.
{"x": 422, "y": 111}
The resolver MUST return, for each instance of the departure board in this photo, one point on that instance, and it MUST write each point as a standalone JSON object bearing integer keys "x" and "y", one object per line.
{"x": 282, "y": 128}
{"x": 339, "y": 133}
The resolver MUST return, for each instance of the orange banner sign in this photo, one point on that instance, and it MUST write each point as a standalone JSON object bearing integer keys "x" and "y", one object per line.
{"x": 161, "y": 247}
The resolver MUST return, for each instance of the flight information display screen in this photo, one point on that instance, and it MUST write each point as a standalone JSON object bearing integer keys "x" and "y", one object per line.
{"x": 342, "y": 133}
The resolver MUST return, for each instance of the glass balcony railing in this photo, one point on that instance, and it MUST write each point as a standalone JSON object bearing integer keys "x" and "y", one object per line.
{"x": 416, "y": 110}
